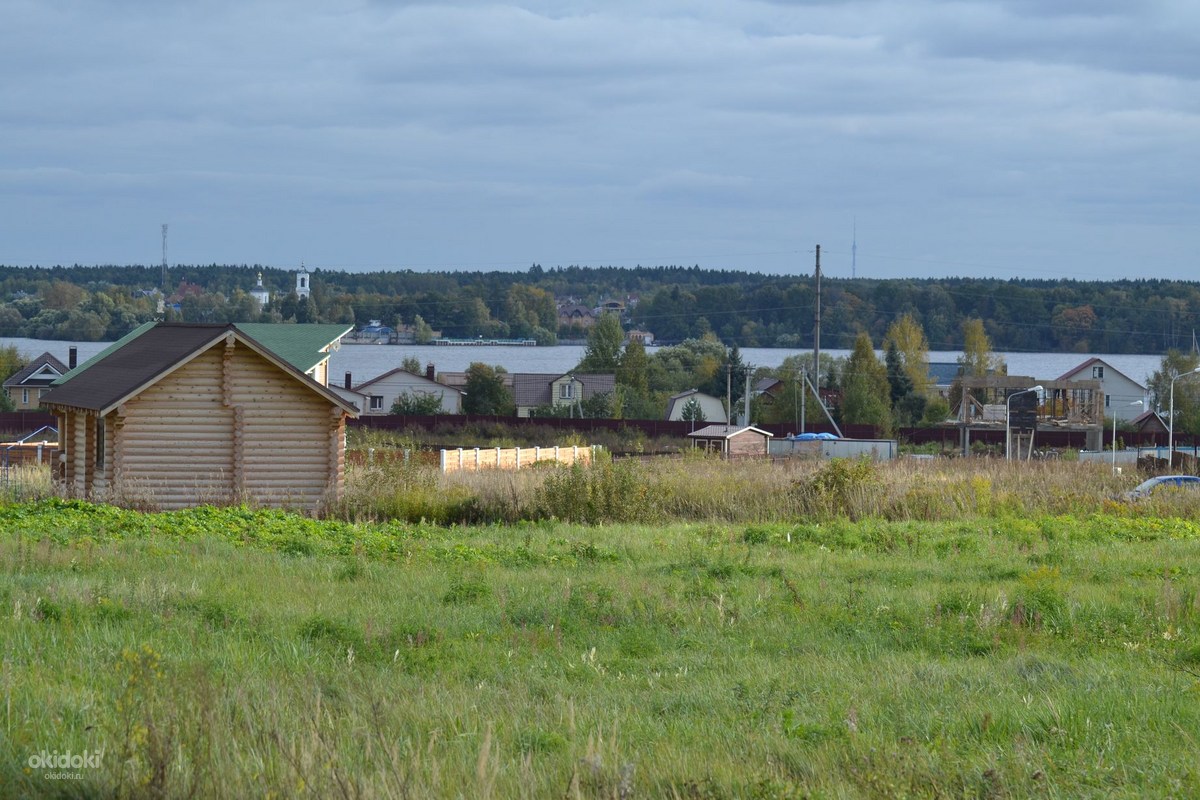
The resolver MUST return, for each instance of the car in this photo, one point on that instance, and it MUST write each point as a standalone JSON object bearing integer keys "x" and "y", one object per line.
{"x": 1147, "y": 487}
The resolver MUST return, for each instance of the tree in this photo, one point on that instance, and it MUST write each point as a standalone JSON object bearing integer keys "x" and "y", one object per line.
{"x": 603, "y": 352}
{"x": 486, "y": 392}
{"x": 1187, "y": 390}
{"x": 692, "y": 411}
{"x": 417, "y": 404}
{"x": 866, "y": 393}
{"x": 411, "y": 365}
{"x": 908, "y": 405}
{"x": 422, "y": 333}
{"x": 909, "y": 338}
{"x": 11, "y": 363}
{"x": 978, "y": 359}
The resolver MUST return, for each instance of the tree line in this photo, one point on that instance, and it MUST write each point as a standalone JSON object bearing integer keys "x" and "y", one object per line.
{"x": 674, "y": 303}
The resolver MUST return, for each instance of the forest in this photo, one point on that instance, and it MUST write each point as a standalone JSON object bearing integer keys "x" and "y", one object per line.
{"x": 674, "y": 303}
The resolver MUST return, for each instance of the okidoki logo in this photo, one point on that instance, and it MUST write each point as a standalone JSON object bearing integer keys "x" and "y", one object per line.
{"x": 52, "y": 759}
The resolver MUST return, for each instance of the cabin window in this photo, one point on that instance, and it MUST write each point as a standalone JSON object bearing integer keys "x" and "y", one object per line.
{"x": 566, "y": 391}
{"x": 376, "y": 402}
{"x": 1098, "y": 373}
{"x": 99, "y": 442}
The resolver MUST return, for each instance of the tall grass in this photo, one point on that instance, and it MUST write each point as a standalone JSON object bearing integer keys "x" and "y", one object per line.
{"x": 238, "y": 653}
{"x": 702, "y": 489}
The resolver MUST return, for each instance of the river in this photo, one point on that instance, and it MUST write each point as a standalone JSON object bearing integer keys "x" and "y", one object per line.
{"x": 366, "y": 361}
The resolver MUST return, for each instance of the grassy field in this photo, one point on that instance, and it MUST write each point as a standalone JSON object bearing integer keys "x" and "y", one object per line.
{"x": 1007, "y": 636}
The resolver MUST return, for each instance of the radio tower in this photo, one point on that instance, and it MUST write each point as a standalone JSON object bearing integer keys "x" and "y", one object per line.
{"x": 164, "y": 264}
{"x": 854, "y": 252}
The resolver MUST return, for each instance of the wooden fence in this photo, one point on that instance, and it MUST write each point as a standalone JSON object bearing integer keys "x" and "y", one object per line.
{"x": 478, "y": 458}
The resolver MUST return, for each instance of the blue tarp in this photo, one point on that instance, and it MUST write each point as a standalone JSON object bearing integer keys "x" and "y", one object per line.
{"x": 808, "y": 437}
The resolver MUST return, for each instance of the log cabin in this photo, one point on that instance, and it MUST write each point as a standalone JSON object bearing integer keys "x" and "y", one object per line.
{"x": 181, "y": 415}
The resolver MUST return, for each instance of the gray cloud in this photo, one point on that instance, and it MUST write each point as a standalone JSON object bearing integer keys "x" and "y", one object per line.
{"x": 394, "y": 134}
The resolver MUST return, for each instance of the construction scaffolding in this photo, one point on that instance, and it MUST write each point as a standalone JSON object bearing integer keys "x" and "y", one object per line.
{"x": 986, "y": 404}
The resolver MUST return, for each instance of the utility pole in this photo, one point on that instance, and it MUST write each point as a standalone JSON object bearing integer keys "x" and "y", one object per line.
{"x": 747, "y": 368}
{"x": 817, "y": 327}
{"x": 164, "y": 263}
{"x": 728, "y": 393}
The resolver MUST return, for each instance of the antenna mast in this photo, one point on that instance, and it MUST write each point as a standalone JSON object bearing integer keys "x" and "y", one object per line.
{"x": 854, "y": 252}
{"x": 164, "y": 263}
{"x": 817, "y": 326}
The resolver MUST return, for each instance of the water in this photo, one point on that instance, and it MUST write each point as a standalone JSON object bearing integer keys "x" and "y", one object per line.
{"x": 368, "y": 361}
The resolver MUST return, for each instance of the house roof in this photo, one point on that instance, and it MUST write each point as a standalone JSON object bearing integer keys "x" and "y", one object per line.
{"x": 35, "y": 372}
{"x": 533, "y": 388}
{"x": 392, "y": 372}
{"x": 725, "y": 431}
{"x": 1148, "y": 416}
{"x": 304, "y": 346}
{"x": 1071, "y": 373}
{"x": 135, "y": 362}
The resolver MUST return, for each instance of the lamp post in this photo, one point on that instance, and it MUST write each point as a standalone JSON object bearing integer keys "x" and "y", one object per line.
{"x": 1114, "y": 416}
{"x": 1008, "y": 419}
{"x": 1171, "y": 417}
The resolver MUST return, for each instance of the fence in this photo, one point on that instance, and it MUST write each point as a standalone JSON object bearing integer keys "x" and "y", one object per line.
{"x": 478, "y": 458}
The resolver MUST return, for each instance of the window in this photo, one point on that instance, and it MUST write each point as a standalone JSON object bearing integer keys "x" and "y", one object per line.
{"x": 100, "y": 443}
{"x": 24, "y": 397}
{"x": 376, "y": 402}
{"x": 1107, "y": 398}
{"x": 566, "y": 391}
{"x": 1098, "y": 373}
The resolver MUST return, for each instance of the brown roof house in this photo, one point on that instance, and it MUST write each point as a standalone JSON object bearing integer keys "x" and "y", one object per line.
{"x": 531, "y": 390}
{"x": 733, "y": 441}
{"x": 26, "y": 387}
{"x": 178, "y": 415}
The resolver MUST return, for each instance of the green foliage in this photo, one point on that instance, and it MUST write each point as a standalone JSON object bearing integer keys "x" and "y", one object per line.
{"x": 603, "y": 352}
{"x": 841, "y": 486}
{"x": 486, "y": 392}
{"x": 417, "y": 404}
{"x": 865, "y": 389}
{"x": 1023, "y": 656}
{"x": 605, "y": 491}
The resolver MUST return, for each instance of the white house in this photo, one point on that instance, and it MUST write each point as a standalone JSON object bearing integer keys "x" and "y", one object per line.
{"x": 1120, "y": 391}
{"x": 711, "y": 408}
{"x": 381, "y": 393}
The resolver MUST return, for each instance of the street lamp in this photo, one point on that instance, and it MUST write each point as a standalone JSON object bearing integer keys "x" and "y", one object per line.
{"x": 1171, "y": 417}
{"x": 1114, "y": 416}
{"x": 1008, "y": 419}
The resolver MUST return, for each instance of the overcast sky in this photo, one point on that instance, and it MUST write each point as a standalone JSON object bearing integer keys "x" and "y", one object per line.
{"x": 1010, "y": 138}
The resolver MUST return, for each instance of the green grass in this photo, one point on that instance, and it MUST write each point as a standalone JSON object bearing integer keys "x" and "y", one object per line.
{"x": 229, "y": 652}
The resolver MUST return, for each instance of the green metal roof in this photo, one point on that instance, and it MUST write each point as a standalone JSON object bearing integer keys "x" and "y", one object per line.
{"x": 304, "y": 346}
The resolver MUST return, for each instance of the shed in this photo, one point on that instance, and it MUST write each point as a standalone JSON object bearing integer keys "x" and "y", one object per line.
{"x": 183, "y": 414}
{"x": 705, "y": 407}
{"x": 732, "y": 441}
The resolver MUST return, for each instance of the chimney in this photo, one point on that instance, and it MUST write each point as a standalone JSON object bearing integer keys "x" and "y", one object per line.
{"x": 72, "y": 357}
{"x": 429, "y": 373}
{"x": 349, "y": 382}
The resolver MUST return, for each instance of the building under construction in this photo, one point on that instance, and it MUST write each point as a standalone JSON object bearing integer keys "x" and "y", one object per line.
{"x": 1003, "y": 402}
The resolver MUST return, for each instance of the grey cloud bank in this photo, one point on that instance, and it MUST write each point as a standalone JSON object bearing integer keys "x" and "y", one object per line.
{"x": 1015, "y": 139}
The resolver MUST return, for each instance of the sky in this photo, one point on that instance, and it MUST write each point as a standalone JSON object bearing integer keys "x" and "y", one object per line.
{"x": 998, "y": 138}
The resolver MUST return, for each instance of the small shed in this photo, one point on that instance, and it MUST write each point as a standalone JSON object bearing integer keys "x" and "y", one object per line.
{"x": 732, "y": 441}
{"x": 182, "y": 415}
{"x": 705, "y": 407}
